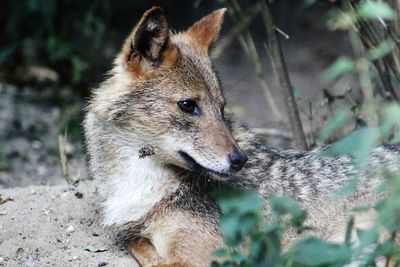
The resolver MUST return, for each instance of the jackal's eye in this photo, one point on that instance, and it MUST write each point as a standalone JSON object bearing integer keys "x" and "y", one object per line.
{"x": 189, "y": 106}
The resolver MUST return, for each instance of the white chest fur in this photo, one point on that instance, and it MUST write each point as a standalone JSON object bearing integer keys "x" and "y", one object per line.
{"x": 133, "y": 188}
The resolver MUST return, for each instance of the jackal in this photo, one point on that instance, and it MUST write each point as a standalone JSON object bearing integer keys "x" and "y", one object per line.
{"x": 159, "y": 140}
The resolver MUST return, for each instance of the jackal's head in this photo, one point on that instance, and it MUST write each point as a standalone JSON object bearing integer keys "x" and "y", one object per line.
{"x": 164, "y": 94}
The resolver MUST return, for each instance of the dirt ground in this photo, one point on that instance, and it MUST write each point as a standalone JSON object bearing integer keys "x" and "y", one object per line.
{"x": 57, "y": 226}
{"x": 48, "y": 223}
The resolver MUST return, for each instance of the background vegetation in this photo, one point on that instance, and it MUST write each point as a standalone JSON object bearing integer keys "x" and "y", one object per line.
{"x": 373, "y": 28}
{"x": 60, "y": 49}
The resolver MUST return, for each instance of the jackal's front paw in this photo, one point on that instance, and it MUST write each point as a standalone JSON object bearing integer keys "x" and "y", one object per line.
{"x": 144, "y": 252}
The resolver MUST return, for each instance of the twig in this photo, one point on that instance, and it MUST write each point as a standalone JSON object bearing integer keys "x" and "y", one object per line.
{"x": 370, "y": 39}
{"x": 62, "y": 144}
{"x": 240, "y": 27}
{"x": 362, "y": 65}
{"x": 277, "y": 59}
{"x": 272, "y": 132}
{"x": 284, "y": 34}
{"x": 393, "y": 239}
{"x": 394, "y": 32}
{"x": 247, "y": 43}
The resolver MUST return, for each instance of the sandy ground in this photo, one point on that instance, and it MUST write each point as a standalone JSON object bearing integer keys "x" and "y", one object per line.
{"x": 53, "y": 226}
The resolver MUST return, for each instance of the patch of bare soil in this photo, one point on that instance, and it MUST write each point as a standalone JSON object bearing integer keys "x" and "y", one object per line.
{"x": 57, "y": 226}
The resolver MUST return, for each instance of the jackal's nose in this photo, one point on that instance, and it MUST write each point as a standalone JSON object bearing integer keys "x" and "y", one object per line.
{"x": 237, "y": 160}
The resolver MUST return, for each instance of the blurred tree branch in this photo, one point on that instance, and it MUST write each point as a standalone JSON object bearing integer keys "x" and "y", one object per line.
{"x": 274, "y": 50}
{"x": 248, "y": 45}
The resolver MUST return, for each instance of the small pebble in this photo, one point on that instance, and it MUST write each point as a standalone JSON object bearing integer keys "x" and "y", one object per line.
{"x": 102, "y": 263}
{"x": 37, "y": 145}
{"x": 95, "y": 234}
{"x": 79, "y": 195}
{"x": 69, "y": 148}
{"x": 41, "y": 170}
{"x": 75, "y": 257}
{"x": 1, "y": 259}
{"x": 70, "y": 229}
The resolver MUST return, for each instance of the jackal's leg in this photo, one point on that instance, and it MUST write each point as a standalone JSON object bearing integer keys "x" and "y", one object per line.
{"x": 184, "y": 239}
{"x": 144, "y": 252}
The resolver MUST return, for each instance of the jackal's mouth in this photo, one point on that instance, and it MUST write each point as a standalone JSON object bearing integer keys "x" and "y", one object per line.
{"x": 197, "y": 167}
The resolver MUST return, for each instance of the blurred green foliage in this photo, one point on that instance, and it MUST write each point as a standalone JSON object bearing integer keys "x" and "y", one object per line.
{"x": 250, "y": 240}
{"x": 243, "y": 223}
{"x": 58, "y": 35}
{"x": 54, "y": 45}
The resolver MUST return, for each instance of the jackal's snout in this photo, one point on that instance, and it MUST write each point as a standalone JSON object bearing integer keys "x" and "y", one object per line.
{"x": 237, "y": 160}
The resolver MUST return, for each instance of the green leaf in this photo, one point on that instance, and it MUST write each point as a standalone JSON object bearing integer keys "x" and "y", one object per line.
{"x": 311, "y": 251}
{"x": 390, "y": 119}
{"x": 236, "y": 256}
{"x": 359, "y": 143}
{"x": 381, "y": 50}
{"x": 230, "y": 227}
{"x": 248, "y": 222}
{"x": 375, "y": 9}
{"x": 96, "y": 248}
{"x": 367, "y": 237}
{"x": 77, "y": 69}
{"x": 296, "y": 92}
{"x": 347, "y": 189}
{"x": 20, "y": 254}
{"x": 389, "y": 248}
{"x": 5, "y": 53}
{"x": 364, "y": 208}
{"x": 389, "y": 208}
{"x": 283, "y": 205}
{"x": 197, "y": 3}
{"x": 341, "y": 20}
{"x": 334, "y": 123}
{"x": 341, "y": 66}
{"x": 363, "y": 249}
{"x": 308, "y": 3}
{"x": 237, "y": 200}
{"x": 221, "y": 253}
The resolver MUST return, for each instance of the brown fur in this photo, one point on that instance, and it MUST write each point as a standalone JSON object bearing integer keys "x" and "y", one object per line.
{"x": 144, "y": 252}
{"x": 204, "y": 32}
{"x": 161, "y": 52}
{"x": 178, "y": 231}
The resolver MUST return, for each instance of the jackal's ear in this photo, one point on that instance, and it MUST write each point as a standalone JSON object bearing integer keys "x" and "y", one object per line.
{"x": 205, "y": 31}
{"x": 148, "y": 45}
